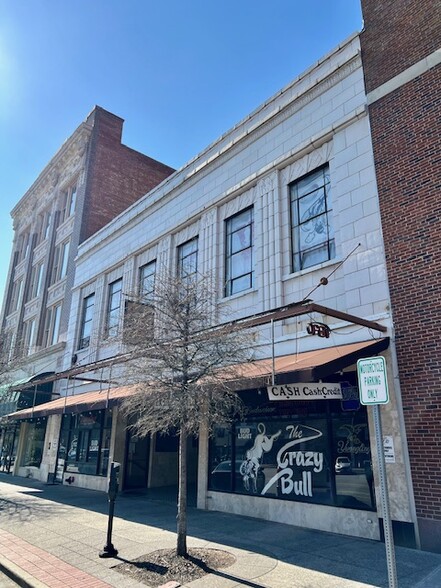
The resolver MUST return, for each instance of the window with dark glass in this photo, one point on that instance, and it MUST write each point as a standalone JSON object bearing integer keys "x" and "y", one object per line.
{"x": 16, "y": 294}
{"x": 114, "y": 308}
{"x": 36, "y": 281}
{"x": 86, "y": 321}
{"x": 51, "y": 325}
{"x": 85, "y": 443}
{"x": 317, "y": 458}
{"x": 33, "y": 449}
{"x": 59, "y": 262}
{"x": 311, "y": 217}
{"x": 188, "y": 259}
{"x": 147, "y": 280}
{"x": 239, "y": 252}
{"x": 28, "y": 336}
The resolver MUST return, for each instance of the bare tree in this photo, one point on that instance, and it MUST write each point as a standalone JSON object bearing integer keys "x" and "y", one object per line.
{"x": 183, "y": 368}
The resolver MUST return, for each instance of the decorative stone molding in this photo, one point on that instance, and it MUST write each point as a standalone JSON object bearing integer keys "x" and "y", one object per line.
{"x": 307, "y": 163}
{"x": 237, "y": 204}
{"x": 189, "y": 232}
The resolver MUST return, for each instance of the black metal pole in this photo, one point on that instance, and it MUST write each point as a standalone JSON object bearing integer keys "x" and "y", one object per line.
{"x": 108, "y": 549}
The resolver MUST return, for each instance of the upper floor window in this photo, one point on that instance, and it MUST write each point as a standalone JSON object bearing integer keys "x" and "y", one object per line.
{"x": 44, "y": 225}
{"x": 23, "y": 246}
{"x": 188, "y": 259}
{"x": 36, "y": 281}
{"x": 68, "y": 202}
{"x": 28, "y": 336}
{"x": 51, "y": 325}
{"x": 311, "y": 218}
{"x": 147, "y": 280}
{"x": 16, "y": 294}
{"x": 114, "y": 307}
{"x": 60, "y": 261}
{"x": 239, "y": 252}
{"x": 86, "y": 321}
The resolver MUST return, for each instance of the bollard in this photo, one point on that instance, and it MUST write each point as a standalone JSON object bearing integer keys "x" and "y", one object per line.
{"x": 108, "y": 549}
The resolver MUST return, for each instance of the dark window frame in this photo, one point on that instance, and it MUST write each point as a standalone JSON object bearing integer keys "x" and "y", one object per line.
{"x": 86, "y": 321}
{"x": 319, "y": 220}
{"x": 231, "y": 252}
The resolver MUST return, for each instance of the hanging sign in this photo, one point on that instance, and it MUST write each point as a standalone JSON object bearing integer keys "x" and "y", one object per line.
{"x": 300, "y": 391}
{"x": 372, "y": 380}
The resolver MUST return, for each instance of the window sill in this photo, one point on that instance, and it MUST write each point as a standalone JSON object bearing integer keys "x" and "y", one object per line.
{"x": 239, "y": 294}
{"x": 314, "y": 268}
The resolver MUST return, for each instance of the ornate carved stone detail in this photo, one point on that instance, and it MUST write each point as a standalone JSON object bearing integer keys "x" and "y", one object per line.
{"x": 307, "y": 163}
{"x": 187, "y": 233}
{"x": 208, "y": 218}
{"x": 239, "y": 203}
{"x": 266, "y": 184}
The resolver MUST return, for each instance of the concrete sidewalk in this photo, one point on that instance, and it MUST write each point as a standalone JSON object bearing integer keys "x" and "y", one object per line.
{"x": 51, "y": 536}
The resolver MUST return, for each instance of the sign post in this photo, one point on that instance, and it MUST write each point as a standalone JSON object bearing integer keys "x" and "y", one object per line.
{"x": 372, "y": 381}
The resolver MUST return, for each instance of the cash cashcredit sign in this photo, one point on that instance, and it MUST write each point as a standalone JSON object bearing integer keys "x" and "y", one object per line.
{"x": 301, "y": 391}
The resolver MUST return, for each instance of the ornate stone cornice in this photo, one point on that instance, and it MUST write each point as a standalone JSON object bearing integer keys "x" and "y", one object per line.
{"x": 67, "y": 161}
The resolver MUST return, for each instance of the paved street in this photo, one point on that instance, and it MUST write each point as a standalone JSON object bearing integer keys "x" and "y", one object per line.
{"x": 59, "y": 530}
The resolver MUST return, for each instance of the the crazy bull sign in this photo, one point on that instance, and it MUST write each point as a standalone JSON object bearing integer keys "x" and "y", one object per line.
{"x": 302, "y": 391}
{"x": 295, "y": 467}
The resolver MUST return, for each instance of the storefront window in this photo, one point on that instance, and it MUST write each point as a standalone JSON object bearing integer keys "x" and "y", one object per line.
{"x": 84, "y": 443}
{"x": 352, "y": 463}
{"x": 221, "y": 459}
{"x": 33, "y": 451}
{"x": 317, "y": 456}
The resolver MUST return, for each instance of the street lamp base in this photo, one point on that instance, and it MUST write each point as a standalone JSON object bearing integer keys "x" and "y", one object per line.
{"x": 108, "y": 551}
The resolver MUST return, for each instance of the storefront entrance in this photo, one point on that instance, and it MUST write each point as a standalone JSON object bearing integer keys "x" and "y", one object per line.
{"x": 8, "y": 448}
{"x": 137, "y": 462}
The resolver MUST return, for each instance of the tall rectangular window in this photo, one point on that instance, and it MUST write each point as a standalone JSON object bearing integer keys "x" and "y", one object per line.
{"x": 60, "y": 262}
{"x": 23, "y": 246}
{"x": 16, "y": 294}
{"x": 114, "y": 308}
{"x": 188, "y": 259}
{"x": 64, "y": 259}
{"x": 28, "y": 336}
{"x": 51, "y": 325}
{"x": 147, "y": 280}
{"x": 311, "y": 220}
{"x": 68, "y": 202}
{"x": 35, "y": 281}
{"x": 86, "y": 321}
{"x": 239, "y": 252}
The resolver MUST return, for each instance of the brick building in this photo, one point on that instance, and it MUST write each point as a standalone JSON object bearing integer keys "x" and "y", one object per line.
{"x": 284, "y": 199}
{"x": 402, "y": 69}
{"x": 90, "y": 180}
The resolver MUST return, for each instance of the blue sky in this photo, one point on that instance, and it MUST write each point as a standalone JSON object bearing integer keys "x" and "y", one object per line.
{"x": 179, "y": 73}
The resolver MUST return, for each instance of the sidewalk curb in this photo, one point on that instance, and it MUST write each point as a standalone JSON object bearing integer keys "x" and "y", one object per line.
{"x": 18, "y": 575}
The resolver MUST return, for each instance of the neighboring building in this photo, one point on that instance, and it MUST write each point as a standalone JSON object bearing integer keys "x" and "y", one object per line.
{"x": 283, "y": 202}
{"x": 402, "y": 69}
{"x": 90, "y": 180}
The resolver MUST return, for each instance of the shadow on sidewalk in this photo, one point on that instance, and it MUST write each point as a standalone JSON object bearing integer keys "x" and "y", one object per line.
{"x": 311, "y": 551}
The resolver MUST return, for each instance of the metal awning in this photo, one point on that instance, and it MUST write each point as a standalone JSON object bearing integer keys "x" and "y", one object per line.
{"x": 308, "y": 366}
{"x": 76, "y": 403}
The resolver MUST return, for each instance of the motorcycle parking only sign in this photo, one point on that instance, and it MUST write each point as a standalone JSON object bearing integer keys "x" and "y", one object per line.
{"x": 372, "y": 380}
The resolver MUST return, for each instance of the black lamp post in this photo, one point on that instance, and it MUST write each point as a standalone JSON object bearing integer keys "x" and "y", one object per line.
{"x": 108, "y": 549}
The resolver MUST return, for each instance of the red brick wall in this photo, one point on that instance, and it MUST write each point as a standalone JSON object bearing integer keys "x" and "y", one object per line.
{"x": 117, "y": 175}
{"x": 406, "y": 134}
{"x": 397, "y": 34}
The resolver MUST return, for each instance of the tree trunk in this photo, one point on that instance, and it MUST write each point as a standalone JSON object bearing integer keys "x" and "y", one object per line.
{"x": 181, "y": 548}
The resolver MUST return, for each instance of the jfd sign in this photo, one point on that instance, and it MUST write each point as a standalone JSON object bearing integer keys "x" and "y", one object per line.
{"x": 372, "y": 380}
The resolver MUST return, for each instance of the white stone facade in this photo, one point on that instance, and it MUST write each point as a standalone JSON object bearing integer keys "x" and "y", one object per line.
{"x": 319, "y": 119}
